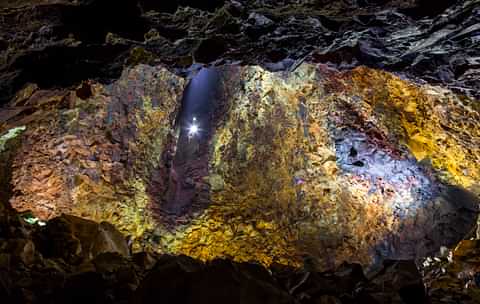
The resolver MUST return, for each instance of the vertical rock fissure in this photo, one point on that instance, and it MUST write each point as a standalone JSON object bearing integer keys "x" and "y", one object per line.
{"x": 187, "y": 189}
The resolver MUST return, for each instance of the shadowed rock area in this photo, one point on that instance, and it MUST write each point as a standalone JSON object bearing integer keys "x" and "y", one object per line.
{"x": 72, "y": 260}
{"x": 61, "y": 43}
{"x": 189, "y": 166}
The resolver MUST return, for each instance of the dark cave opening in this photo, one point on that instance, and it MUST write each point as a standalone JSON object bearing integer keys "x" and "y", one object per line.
{"x": 172, "y": 6}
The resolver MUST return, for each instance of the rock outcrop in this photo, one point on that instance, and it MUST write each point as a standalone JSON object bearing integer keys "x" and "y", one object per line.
{"x": 32, "y": 273}
{"x": 73, "y": 238}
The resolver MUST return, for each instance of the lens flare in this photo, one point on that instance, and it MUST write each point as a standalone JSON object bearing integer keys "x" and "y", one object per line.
{"x": 193, "y": 130}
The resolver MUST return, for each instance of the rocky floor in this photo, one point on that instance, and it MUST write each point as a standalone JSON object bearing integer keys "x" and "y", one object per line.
{"x": 72, "y": 260}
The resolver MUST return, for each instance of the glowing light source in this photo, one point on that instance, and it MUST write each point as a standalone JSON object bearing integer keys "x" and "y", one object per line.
{"x": 193, "y": 129}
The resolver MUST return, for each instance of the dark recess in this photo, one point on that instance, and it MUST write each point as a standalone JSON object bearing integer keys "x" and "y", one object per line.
{"x": 172, "y": 6}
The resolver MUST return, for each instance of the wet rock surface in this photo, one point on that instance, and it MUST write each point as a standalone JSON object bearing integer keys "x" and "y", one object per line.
{"x": 61, "y": 43}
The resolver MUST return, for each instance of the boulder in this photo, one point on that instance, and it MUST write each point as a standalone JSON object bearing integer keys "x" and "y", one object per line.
{"x": 183, "y": 280}
{"x": 398, "y": 282}
{"x": 23, "y": 250}
{"x": 73, "y": 238}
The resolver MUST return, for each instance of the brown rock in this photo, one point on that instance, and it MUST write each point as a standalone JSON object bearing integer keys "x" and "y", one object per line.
{"x": 23, "y": 250}
{"x": 317, "y": 161}
{"x": 74, "y": 238}
{"x": 466, "y": 249}
{"x": 114, "y": 264}
{"x": 402, "y": 280}
{"x": 144, "y": 259}
{"x": 233, "y": 283}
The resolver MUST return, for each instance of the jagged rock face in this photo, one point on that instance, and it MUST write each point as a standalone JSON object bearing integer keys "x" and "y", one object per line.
{"x": 338, "y": 166}
{"x": 88, "y": 157}
{"x": 454, "y": 276}
{"x": 73, "y": 260}
{"x": 61, "y": 43}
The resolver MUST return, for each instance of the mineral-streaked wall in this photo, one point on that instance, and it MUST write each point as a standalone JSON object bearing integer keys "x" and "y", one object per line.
{"x": 315, "y": 163}
{"x": 93, "y": 157}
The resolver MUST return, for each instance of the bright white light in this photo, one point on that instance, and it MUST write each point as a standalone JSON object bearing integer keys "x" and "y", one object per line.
{"x": 193, "y": 130}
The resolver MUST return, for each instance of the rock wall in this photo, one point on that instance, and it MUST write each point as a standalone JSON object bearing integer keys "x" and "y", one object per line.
{"x": 310, "y": 166}
{"x": 93, "y": 157}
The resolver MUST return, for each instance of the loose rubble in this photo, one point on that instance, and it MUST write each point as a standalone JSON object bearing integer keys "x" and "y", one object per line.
{"x": 68, "y": 269}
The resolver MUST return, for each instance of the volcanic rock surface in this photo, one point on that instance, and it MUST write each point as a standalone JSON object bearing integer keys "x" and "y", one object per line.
{"x": 284, "y": 151}
{"x": 355, "y": 166}
{"x": 60, "y": 263}
{"x": 61, "y": 42}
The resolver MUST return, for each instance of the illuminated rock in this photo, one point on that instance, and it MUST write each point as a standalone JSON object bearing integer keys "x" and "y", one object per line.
{"x": 454, "y": 276}
{"x": 336, "y": 166}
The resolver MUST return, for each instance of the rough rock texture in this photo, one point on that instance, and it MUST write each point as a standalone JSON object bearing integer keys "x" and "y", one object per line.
{"x": 31, "y": 272}
{"x": 89, "y": 157}
{"x": 354, "y": 166}
{"x": 86, "y": 239}
{"x": 454, "y": 276}
{"x": 61, "y": 42}
{"x": 328, "y": 155}
{"x": 69, "y": 260}
{"x": 8, "y": 144}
